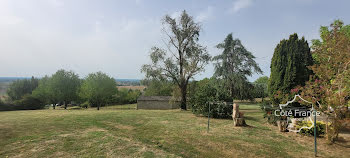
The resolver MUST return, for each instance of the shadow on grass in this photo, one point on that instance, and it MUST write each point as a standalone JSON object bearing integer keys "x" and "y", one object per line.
{"x": 252, "y": 118}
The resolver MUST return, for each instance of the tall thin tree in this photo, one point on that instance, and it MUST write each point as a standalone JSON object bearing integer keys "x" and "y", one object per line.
{"x": 184, "y": 56}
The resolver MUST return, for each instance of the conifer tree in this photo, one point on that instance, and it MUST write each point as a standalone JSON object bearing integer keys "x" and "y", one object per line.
{"x": 289, "y": 66}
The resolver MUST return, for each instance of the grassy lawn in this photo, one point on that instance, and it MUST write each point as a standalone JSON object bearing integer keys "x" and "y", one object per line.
{"x": 122, "y": 131}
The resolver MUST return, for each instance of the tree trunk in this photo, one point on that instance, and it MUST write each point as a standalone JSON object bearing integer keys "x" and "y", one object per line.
{"x": 282, "y": 125}
{"x": 232, "y": 91}
{"x": 65, "y": 105}
{"x": 54, "y": 106}
{"x": 183, "y": 98}
{"x": 98, "y": 106}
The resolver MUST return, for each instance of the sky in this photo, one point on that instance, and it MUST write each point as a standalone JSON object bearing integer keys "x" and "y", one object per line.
{"x": 39, "y": 37}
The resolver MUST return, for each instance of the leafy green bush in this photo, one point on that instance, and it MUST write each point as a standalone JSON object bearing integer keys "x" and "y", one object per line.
{"x": 28, "y": 102}
{"x": 269, "y": 110}
{"x": 126, "y": 96}
{"x": 84, "y": 105}
{"x": 6, "y": 107}
{"x": 17, "y": 89}
{"x": 320, "y": 128}
{"x": 207, "y": 92}
{"x": 158, "y": 87}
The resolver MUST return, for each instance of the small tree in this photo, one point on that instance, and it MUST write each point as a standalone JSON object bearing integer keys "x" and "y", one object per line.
{"x": 185, "y": 56}
{"x": 65, "y": 85}
{"x": 289, "y": 66}
{"x": 233, "y": 65}
{"x": 330, "y": 86}
{"x": 45, "y": 91}
{"x": 207, "y": 91}
{"x": 19, "y": 88}
{"x": 98, "y": 88}
{"x": 260, "y": 87}
{"x": 158, "y": 87}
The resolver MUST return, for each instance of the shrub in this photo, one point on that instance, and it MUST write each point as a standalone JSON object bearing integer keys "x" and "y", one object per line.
{"x": 84, "y": 105}
{"x": 272, "y": 118}
{"x": 17, "y": 89}
{"x": 320, "y": 128}
{"x": 220, "y": 110}
{"x": 207, "y": 92}
{"x": 269, "y": 110}
{"x": 126, "y": 96}
{"x": 6, "y": 107}
{"x": 28, "y": 102}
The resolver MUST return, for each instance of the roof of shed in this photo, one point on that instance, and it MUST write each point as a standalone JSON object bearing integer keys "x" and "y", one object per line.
{"x": 154, "y": 98}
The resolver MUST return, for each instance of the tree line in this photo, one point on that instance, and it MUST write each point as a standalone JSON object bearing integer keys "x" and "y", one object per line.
{"x": 65, "y": 87}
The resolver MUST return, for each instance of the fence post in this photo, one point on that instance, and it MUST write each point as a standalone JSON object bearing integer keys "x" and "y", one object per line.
{"x": 315, "y": 132}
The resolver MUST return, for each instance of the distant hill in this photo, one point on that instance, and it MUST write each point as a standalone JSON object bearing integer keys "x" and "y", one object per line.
{"x": 10, "y": 79}
{"x": 128, "y": 82}
{"x": 135, "y": 80}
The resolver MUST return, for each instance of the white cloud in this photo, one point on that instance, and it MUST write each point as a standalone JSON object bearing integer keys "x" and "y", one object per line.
{"x": 97, "y": 26}
{"x": 10, "y": 20}
{"x": 56, "y": 3}
{"x": 138, "y": 2}
{"x": 205, "y": 15}
{"x": 6, "y": 15}
{"x": 240, "y": 4}
{"x": 115, "y": 45}
{"x": 175, "y": 14}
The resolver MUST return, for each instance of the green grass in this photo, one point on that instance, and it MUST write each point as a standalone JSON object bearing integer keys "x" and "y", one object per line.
{"x": 122, "y": 131}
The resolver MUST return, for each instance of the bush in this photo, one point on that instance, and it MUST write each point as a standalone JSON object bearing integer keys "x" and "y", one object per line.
{"x": 126, "y": 96}
{"x": 220, "y": 110}
{"x": 320, "y": 128}
{"x": 28, "y": 102}
{"x": 17, "y": 89}
{"x": 269, "y": 110}
{"x": 207, "y": 92}
{"x": 6, "y": 107}
{"x": 84, "y": 105}
{"x": 158, "y": 87}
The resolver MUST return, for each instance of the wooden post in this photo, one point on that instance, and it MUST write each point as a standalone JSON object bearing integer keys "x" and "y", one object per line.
{"x": 315, "y": 133}
{"x": 237, "y": 116}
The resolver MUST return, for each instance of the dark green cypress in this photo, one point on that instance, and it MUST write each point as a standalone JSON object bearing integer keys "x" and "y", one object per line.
{"x": 289, "y": 66}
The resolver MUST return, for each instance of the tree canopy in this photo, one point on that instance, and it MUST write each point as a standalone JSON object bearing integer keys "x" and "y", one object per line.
{"x": 234, "y": 65}
{"x": 289, "y": 66}
{"x": 98, "y": 88}
{"x": 184, "y": 56}
{"x": 157, "y": 87}
{"x": 19, "y": 88}
{"x": 65, "y": 85}
{"x": 45, "y": 91}
{"x": 260, "y": 87}
{"x": 329, "y": 88}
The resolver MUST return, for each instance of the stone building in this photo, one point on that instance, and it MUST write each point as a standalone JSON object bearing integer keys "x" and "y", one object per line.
{"x": 157, "y": 103}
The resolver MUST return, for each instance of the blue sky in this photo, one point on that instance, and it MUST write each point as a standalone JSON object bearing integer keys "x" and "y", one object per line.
{"x": 38, "y": 37}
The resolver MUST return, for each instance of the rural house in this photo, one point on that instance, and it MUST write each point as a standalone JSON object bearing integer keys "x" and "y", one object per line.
{"x": 157, "y": 103}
